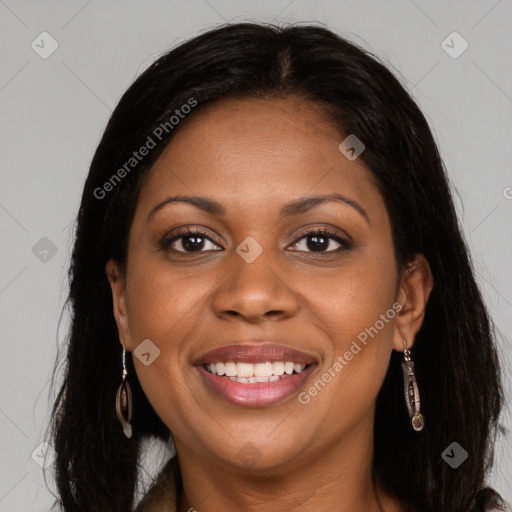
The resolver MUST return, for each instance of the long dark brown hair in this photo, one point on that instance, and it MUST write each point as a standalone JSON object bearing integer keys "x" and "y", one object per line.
{"x": 97, "y": 468}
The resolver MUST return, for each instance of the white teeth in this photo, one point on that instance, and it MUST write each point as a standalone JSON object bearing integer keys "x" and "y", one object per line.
{"x": 230, "y": 369}
{"x": 244, "y": 369}
{"x": 278, "y": 368}
{"x": 257, "y": 372}
{"x": 263, "y": 369}
{"x": 261, "y": 379}
{"x": 252, "y": 380}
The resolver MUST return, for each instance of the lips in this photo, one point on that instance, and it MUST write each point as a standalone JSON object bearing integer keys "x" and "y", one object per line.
{"x": 245, "y": 392}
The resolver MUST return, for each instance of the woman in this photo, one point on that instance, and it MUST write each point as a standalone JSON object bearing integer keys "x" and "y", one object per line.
{"x": 267, "y": 256}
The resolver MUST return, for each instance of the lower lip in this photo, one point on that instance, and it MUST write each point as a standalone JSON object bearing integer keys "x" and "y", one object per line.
{"x": 257, "y": 394}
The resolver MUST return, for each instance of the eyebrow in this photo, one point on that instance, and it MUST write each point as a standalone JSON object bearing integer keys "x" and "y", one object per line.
{"x": 289, "y": 209}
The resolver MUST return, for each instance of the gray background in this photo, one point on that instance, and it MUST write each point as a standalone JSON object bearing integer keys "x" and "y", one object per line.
{"x": 53, "y": 112}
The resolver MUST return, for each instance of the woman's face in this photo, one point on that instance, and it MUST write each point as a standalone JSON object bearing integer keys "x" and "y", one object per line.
{"x": 260, "y": 274}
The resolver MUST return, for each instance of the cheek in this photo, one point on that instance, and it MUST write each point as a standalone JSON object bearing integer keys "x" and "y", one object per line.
{"x": 164, "y": 304}
{"x": 356, "y": 308}
{"x": 352, "y": 297}
{"x": 163, "y": 308}
{"x": 359, "y": 323}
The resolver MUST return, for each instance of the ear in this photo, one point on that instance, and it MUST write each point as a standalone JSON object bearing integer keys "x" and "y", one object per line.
{"x": 117, "y": 280}
{"x": 413, "y": 293}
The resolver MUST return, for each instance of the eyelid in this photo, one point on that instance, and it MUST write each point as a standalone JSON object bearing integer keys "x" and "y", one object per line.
{"x": 345, "y": 243}
{"x": 183, "y": 232}
{"x": 327, "y": 230}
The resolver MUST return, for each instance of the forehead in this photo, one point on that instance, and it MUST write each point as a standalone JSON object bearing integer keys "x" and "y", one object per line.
{"x": 257, "y": 150}
{"x": 293, "y": 112}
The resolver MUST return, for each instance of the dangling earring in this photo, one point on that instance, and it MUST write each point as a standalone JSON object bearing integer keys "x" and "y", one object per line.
{"x": 412, "y": 395}
{"x": 124, "y": 401}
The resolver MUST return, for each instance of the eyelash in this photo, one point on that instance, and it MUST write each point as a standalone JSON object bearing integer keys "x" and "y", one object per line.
{"x": 166, "y": 241}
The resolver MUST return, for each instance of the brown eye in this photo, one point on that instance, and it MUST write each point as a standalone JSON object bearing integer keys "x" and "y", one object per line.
{"x": 189, "y": 242}
{"x": 320, "y": 241}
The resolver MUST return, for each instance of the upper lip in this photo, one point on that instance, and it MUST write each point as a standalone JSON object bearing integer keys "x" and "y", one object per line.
{"x": 248, "y": 352}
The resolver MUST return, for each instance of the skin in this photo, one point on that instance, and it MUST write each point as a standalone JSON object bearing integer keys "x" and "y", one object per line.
{"x": 253, "y": 156}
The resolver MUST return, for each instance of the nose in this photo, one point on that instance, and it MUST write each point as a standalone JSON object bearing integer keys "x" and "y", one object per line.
{"x": 256, "y": 292}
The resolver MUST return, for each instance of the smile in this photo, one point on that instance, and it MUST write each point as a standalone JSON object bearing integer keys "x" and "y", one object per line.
{"x": 255, "y": 385}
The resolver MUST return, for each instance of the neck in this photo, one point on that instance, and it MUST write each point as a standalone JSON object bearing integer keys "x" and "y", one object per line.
{"x": 339, "y": 478}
